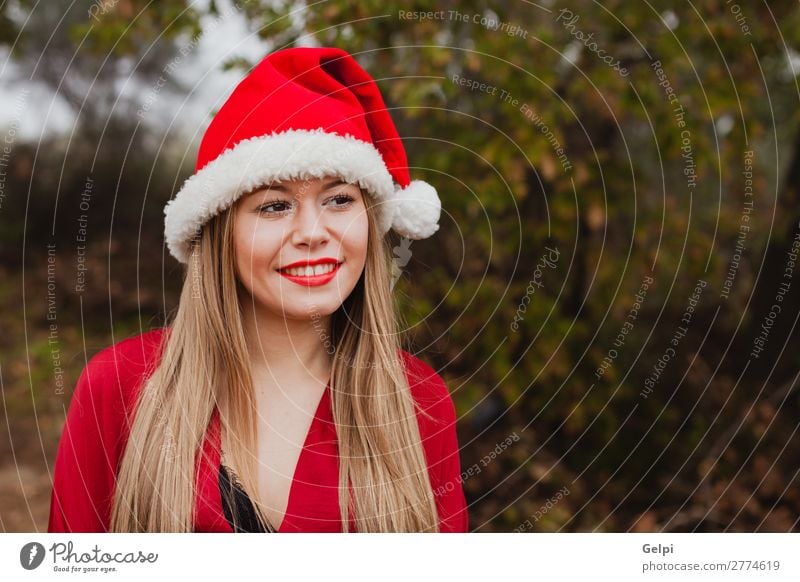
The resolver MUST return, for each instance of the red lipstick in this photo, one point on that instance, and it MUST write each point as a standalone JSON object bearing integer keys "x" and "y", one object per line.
{"x": 311, "y": 280}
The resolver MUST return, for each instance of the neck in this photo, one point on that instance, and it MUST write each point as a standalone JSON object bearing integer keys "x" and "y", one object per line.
{"x": 287, "y": 350}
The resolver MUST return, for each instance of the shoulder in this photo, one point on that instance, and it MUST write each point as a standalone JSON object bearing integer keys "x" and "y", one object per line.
{"x": 431, "y": 394}
{"x": 95, "y": 433}
{"x": 115, "y": 373}
{"x": 426, "y": 384}
{"x": 130, "y": 352}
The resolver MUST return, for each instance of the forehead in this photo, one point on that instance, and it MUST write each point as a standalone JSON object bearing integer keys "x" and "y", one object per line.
{"x": 297, "y": 185}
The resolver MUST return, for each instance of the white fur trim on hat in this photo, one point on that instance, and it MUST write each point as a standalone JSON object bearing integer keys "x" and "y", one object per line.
{"x": 416, "y": 210}
{"x": 292, "y": 154}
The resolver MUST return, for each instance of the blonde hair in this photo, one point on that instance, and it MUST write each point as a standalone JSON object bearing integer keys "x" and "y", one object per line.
{"x": 204, "y": 363}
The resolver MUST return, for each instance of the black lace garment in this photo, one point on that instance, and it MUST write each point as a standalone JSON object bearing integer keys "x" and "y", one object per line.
{"x": 236, "y": 504}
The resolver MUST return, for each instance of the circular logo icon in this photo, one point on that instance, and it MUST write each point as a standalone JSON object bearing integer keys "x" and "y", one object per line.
{"x": 31, "y": 555}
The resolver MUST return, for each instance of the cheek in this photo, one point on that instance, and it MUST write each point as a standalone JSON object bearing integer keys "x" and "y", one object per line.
{"x": 364, "y": 235}
{"x": 254, "y": 247}
{"x": 356, "y": 235}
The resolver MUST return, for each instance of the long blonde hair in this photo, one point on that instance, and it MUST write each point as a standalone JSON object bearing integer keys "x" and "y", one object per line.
{"x": 204, "y": 363}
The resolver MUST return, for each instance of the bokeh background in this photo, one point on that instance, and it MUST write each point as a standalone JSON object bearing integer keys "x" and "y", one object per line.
{"x": 612, "y": 297}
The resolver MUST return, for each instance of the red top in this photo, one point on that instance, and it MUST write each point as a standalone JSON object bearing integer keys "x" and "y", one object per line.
{"x": 96, "y": 430}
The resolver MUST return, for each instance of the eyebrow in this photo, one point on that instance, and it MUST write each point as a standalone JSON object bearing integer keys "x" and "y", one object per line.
{"x": 282, "y": 188}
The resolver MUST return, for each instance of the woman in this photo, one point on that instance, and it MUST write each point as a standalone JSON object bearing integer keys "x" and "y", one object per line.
{"x": 279, "y": 399}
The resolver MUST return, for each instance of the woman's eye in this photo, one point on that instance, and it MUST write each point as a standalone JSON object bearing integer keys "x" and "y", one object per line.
{"x": 342, "y": 199}
{"x": 281, "y": 206}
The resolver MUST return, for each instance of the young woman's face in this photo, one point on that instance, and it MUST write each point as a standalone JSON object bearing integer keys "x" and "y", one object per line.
{"x": 301, "y": 245}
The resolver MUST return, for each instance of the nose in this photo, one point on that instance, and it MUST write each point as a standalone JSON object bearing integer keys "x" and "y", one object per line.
{"x": 308, "y": 227}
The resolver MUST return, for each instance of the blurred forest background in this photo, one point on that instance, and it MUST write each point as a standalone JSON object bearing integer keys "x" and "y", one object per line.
{"x": 618, "y": 159}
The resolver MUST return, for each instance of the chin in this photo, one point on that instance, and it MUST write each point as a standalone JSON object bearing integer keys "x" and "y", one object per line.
{"x": 302, "y": 308}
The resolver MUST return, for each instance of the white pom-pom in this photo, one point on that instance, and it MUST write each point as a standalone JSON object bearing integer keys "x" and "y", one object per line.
{"x": 416, "y": 210}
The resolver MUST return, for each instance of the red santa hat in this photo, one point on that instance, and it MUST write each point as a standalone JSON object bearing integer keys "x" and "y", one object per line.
{"x": 302, "y": 113}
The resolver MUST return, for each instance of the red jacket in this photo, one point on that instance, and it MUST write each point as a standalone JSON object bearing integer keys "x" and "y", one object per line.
{"x": 95, "y": 434}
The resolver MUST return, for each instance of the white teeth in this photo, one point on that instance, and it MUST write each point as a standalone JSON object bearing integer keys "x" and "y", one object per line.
{"x": 309, "y": 271}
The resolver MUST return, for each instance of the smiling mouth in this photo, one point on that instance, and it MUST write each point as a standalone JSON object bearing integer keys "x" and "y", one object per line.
{"x": 311, "y": 276}
{"x": 310, "y": 271}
